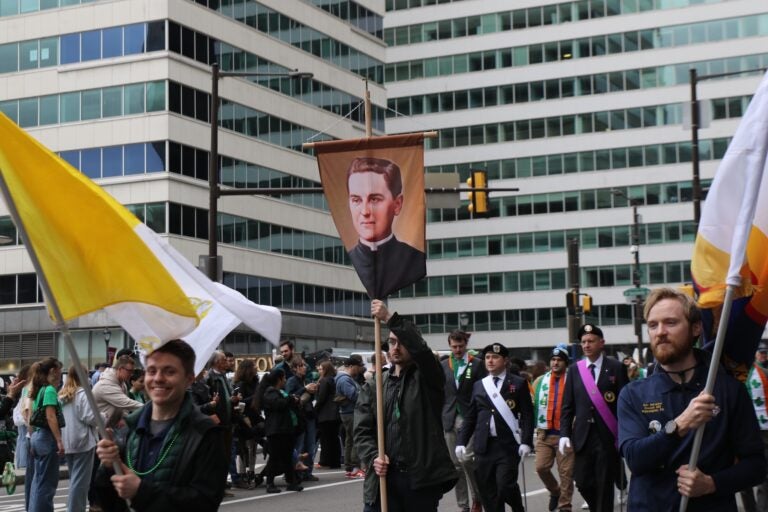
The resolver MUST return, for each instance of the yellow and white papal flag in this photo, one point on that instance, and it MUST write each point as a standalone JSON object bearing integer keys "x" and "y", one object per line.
{"x": 95, "y": 254}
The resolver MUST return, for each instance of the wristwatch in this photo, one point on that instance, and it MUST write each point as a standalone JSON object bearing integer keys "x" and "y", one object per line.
{"x": 670, "y": 428}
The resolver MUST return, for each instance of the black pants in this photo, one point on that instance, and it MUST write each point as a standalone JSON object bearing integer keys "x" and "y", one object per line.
{"x": 280, "y": 458}
{"x": 401, "y": 498}
{"x": 496, "y": 472}
{"x": 595, "y": 470}
{"x": 330, "y": 444}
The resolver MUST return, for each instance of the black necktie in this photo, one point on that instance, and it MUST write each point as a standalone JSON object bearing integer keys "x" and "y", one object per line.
{"x": 496, "y": 382}
{"x": 592, "y": 371}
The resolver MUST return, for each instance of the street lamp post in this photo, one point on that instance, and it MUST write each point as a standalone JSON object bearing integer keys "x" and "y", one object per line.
{"x": 637, "y": 300}
{"x": 213, "y": 265}
{"x": 107, "y": 336}
{"x": 694, "y": 79}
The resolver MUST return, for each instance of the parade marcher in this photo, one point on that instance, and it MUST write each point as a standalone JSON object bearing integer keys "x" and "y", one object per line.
{"x": 658, "y": 417}
{"x": 547, "y": 406}
{"x": 327, "y": 413}
{"x": 245, "y": 382}
{"x": 173, "y": 456}
{"x": 79, "y": 438}
{"x": 46, "y": 443}
{"x": 501, "y": 418}
{"x": 305, "y": 446}
{"x": 761, "y": 357}
{"x": 461, "y": 371}
{"x": 347, "y": 390}
{"x": 588, "y": 419}
{"x": 225, "y": 408}
{"x": 281, "y": 420}
{"x": 757, "y": 387}
{"x": 416, "y": 462}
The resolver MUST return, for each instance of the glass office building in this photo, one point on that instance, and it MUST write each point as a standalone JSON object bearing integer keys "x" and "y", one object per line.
{"x": 581, "y": 105}
{"x": 121, "y": 89}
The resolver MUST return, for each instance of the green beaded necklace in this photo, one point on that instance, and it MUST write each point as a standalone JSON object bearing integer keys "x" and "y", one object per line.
{"x": 159, "y": 462}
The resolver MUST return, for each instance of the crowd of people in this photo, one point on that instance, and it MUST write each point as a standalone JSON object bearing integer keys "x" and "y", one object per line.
{"x": 461, "y": 422}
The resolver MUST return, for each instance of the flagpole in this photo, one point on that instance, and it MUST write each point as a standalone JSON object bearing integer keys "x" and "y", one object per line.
{"x": 709, "y": 387}
{"x": 377, "y": 343}
{"x": 85, "y": 382}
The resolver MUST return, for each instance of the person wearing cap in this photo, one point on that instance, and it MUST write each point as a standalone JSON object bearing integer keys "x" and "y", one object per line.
{"x": 588, "y": 419}
{"x": 461, "y": 371}
{"x": 659, "y": 416}
{"x": 547, "y": 406}
{"x": 501, "y": 418}
{"x": 347, "y": 389}
{"x": 415, "y": 461}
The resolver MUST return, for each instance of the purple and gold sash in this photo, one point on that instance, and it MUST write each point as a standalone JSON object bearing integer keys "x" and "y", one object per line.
{"x": 598, "y": 400}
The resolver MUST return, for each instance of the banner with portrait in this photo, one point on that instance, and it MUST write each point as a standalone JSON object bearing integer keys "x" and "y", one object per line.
{"x": 375, "y": 191}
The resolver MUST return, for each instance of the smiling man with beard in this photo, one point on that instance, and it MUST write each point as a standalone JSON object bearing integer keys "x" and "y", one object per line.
{"x": 658, "y": 417}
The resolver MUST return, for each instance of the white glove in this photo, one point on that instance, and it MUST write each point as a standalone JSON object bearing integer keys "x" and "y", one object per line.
{"x": 564, "y": 443}
{"x": 461, "y": 452}
{"x": 523, "y": 450}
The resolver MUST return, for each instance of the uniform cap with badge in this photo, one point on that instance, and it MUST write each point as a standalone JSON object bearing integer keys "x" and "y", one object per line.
{"x": 496, "y": 348}
{"x": 590, "y": 329}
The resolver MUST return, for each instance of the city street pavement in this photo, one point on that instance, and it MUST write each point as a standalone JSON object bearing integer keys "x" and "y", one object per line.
{"x": 333, "y": 492}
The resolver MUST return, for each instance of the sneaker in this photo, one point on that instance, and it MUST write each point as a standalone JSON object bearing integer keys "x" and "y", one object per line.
{"x": 585, "y": 506}
{"x": 294, "y": 487}
{"x": 553, "y": 499}
{"x": 356, "y": 475}
{"x": 242, "y": 484}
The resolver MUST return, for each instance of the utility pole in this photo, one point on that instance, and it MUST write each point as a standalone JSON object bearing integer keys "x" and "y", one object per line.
{"x": 572, "y": 296}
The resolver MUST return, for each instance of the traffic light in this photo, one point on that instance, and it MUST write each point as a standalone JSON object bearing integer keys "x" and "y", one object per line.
{"x": 586, "y": 304}
{"x": 572, "y": 301}
{"x": 478, "y": 200}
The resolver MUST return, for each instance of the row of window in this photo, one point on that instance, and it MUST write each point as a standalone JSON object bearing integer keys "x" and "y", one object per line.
{"x": 519, "y": 19}
{"x": 588, "y": 161}
{"x": 151, "y": 97}
{"x": 149, "y": 37}
{"x": 300, "y": 297}
{"x": 150, "y": 157}
{"x": 588, "y": 122}
{"x": 235, "y": 230}
{"x": 575, "y": 200}
{"x": 519, "y": 319}
{"x": 122, "y": 100}
{"x": 193, "y": 162}
{"x": 83, "y": 46}
{"x": 239, "y": 118}
{"x": 624, "y": 6}
{"x": 546, "y": 241}
{"x": 568, "y": 87}
{"x": 14, "y": 7}
{"x": 357, "y": 15}
{"x": 284, "y": 28}
{"x": 546, "y": 279}
{"x": 623, "y": 42}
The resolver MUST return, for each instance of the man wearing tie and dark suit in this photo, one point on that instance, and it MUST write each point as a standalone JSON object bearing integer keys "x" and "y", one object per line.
{"x": 588, "y": 419}
{"x": 501, "y": 418}
{"x": 461, "y": 371}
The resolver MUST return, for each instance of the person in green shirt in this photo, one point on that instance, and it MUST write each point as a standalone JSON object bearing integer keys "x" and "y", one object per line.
{"x": 46, "y": 442}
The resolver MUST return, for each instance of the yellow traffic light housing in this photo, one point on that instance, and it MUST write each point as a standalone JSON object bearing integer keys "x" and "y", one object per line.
{"x": 478, "y": 200}
{"x": 586, "y": 304}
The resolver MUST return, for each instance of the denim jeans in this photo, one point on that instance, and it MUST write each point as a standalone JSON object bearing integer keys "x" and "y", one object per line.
{"x": 22, "y": 447}
{"x": 80, "y": 468}
{"x": 306, "y": 441}
{"x": 45, "y": 458}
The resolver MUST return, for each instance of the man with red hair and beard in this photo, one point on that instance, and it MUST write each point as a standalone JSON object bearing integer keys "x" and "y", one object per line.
{"x": 658, "y": 418}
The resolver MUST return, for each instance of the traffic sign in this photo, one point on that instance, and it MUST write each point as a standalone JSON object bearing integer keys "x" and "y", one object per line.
{"x": 636, "y": 292}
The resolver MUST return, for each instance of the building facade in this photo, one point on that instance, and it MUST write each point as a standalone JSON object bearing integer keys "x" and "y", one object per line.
{"x": 121, "y": 90}
{"x": 581, "y": 105}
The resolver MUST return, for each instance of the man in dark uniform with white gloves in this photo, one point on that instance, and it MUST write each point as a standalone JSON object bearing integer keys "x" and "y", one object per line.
{"x": 501, "y": 418}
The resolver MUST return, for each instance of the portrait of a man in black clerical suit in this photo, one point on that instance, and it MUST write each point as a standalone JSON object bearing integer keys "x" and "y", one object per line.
{"x": 384, "y": 264}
